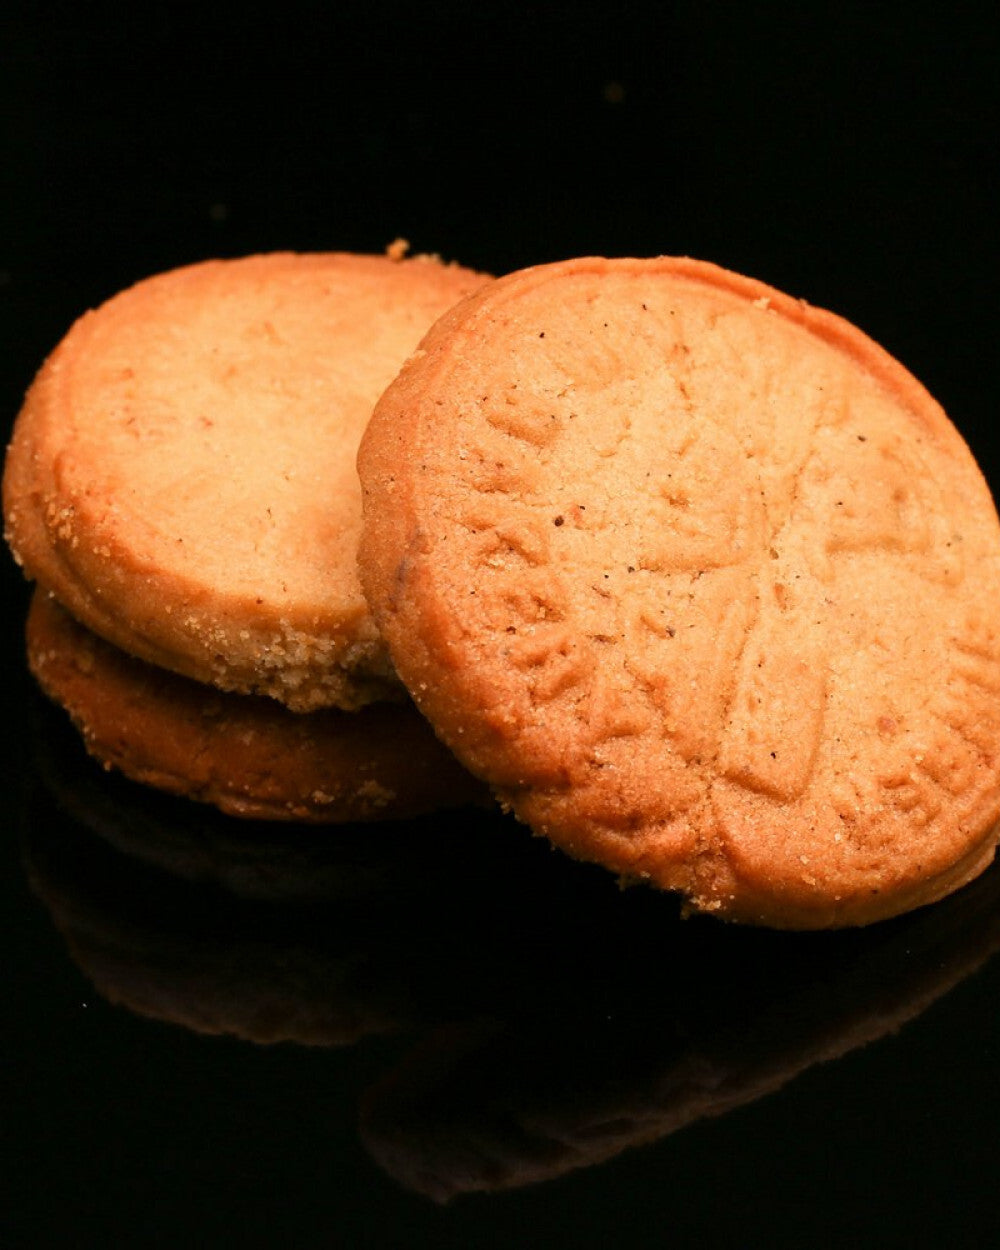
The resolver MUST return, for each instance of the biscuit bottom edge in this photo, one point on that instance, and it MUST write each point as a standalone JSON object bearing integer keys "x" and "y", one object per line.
{"x": 248, "y": 756}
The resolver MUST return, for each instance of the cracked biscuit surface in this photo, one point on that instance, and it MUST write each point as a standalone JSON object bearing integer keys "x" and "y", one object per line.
{"x": 701, "y": 581}
{"x": 181, "y": 476}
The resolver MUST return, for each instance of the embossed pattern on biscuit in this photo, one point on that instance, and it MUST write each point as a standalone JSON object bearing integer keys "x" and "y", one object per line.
{"x": 693, "y": 578}
{"x": 775, "y": 717}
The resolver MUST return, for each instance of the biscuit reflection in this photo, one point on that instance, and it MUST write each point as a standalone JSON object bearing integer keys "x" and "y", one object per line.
{"x": 266, "y": 932}
{"x": 543, "y": 1020}
{"x": 706, "y": 1021}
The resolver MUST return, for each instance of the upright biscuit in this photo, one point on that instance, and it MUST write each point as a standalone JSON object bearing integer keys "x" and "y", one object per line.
{"x": 182, "y": 477}
{"x": 701, "y": 581}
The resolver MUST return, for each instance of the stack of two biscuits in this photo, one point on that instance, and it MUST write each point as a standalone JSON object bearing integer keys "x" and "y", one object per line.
{"x": 181, "y": 485}
{"x": 697, "y": 579}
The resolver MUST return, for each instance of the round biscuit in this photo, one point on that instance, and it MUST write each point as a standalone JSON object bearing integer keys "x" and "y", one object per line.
{"x": 701, "y": 581}
{"x": 181, "y": 475}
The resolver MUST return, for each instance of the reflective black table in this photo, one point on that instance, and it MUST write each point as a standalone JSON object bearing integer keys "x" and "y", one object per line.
{"x": 443, "y": 1033}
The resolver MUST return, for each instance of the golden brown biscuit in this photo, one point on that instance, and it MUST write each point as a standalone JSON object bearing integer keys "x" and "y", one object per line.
{"x": 701, "y": 581}
{"x": 245, "y": 754}
{"x": 182, "y": 477}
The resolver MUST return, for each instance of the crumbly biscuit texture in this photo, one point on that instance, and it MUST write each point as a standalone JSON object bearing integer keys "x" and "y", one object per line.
{"x": 248, "y": 756}
{"x": 182, "y": 474}
{"x": 702, "y": 581}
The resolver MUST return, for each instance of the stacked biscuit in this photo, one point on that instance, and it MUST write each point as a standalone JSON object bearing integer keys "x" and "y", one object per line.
{"x": 697, "y": 579}
{"x": 181, "y": 486}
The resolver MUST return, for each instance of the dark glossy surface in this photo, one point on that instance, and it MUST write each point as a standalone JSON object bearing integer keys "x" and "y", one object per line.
{"x": 443, "y": 1034}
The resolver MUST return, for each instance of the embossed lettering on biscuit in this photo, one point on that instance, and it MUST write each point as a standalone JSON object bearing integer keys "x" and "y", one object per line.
{"x": 718, "y": 572}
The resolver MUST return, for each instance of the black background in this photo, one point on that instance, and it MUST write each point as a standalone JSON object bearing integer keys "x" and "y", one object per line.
{"x": 845, "y": 153}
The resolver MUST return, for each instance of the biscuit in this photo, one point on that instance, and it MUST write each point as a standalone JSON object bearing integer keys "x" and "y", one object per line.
{"x": 701, "y": 581}
{"x": 181, "y": 476}
{"x": 246, "y": 755}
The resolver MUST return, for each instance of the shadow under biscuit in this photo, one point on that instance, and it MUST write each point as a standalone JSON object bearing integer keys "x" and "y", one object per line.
{"x": 545, "y": 1020}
